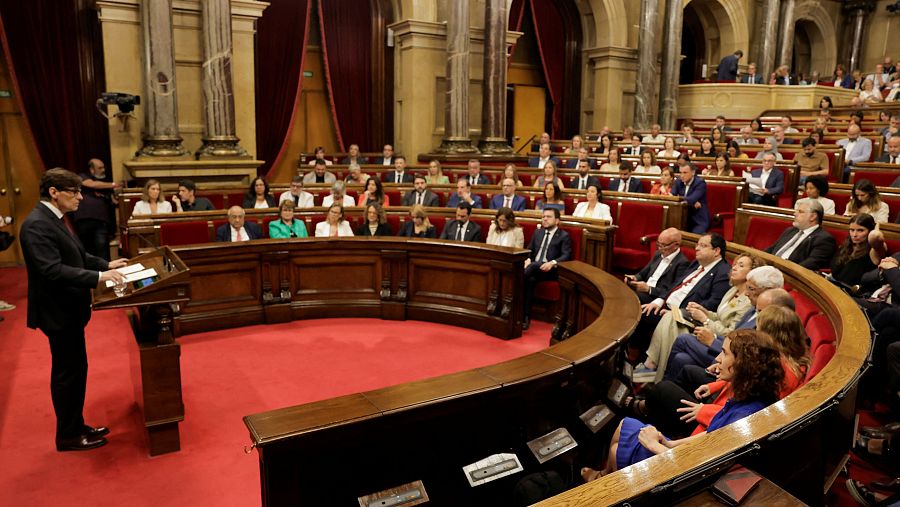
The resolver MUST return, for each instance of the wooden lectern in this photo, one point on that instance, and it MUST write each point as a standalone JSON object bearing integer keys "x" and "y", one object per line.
{"x": 155, "y": 362}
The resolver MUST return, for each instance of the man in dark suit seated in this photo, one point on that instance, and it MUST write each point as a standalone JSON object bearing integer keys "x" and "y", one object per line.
{"x": 806, "y": 242}
{"x": 543, "y": 158}
{"x": 185, "y": 200}
{"x": 508, "y": 197}
{"x": 475, "y": 177}
{"x": 237, "y": 229}
{"x": 464, "y": 195}
{"x": 584, "y": 178}
{"x": 421, "y": 194}
{"x": 692, "y": 187}
{"x": 353, "y": 156}
{"x": 549, "y": 246}
{"x": 666, "y": 266}
{"x": 751, "y": 77}
{"x": 783, "y": 76}
{"x": 582, "y": 155}
{"x": 704, "y": 282}
{"x": 462, "y": 229}
{"x": 61, "y": 275}
{"x": 772, "y": 182}
{"x": 892, "y": 154}
{"x": 387, "y": 156}
{"x": 399, "y": 174}
{"x": 635, "y": 148}
{"x": 625, "y": 183}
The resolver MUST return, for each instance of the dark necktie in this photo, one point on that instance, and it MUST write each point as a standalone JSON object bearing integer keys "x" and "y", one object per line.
{"x": 68, "y": 222}
{"x": 459, "y": 232}
{"x": 893, "y": 159}
{"x": 542, "y": 251}
{"x": 296, "y": 201}
{"x": 419, "y": 197}
{"x": 398, "y": 178}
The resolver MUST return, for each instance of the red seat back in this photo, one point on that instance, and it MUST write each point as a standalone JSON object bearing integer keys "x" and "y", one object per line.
{"x": 820, "y": 360}
{"x": 218, "y": 200}
{"x": 820, "y": 332}
{"x": 528, "y": 229}
{"x": 394, "y": 197}
{"x": 806, "y": 308}
{"x": 763, "y": 232}
{"x": 233, "y": 200}
{"x": 879, "y": 178}
{"x": 438, "y": 223}
{"x": 485, "y": 224}
{"x": 183, "y": 233}
{"x": 576, "y": 235}
{"x": 394, "y": 222}
{"x": 840, "y": 201}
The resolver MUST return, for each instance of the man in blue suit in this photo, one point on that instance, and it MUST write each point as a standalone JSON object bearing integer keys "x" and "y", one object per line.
{"x": 236, "y": 229}
{"x": 549, "y": 246}
{"x": 508, "y": 199}
{"x": 856, "y": 149}
{"x": 751, "y": 77}
{"x": 464, "y": 195}
{"x": 625, "y": 183}
{"x": 545, "y": 156}
{"x": 772, "y": 182}
{"x": 693, "y": 189}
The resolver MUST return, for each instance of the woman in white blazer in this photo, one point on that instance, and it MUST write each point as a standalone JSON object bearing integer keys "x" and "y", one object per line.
{"x": 334, "y": 224}
{"x": 504, "y": 231}
{"x": 152, "y": 202}
{"x": 592, "y": 207}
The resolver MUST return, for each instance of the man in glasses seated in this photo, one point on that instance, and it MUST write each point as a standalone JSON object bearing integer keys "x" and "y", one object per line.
{"x": 666, "y": 266}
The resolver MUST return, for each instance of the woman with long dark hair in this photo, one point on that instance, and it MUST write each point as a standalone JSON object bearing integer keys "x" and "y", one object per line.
{"x": 855, "y": 257}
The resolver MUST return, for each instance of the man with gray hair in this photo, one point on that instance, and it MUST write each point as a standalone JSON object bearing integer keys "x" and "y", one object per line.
{"x": 338, "y": 195}
{"x": 746, "y": 136}
{"x": 806, "y": 242}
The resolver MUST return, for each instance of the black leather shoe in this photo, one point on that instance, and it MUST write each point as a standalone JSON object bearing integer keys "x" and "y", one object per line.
{"x": 526, "y": 324}
{"x": 94, "y": 433}
{"x": 80, "y": 443}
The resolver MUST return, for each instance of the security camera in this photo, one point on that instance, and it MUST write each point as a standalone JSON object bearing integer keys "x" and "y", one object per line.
{"x": 893, "y": 8}
{"x": 124, "y": 102}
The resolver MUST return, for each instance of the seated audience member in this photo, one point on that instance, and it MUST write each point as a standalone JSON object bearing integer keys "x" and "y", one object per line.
{"x": 549, "y": 246}
{"x": 820, "y": 123}
{"x": 866, "y": 199}
{"x": 625, "y": 182}
{"x": 552, "y": 198}
{"x": 721, "y": 166}
{"x": 582, "y": 155}
{"x": 648, "y": 163}
{"x": 692, "y": 187}
{"x": 543, "y": 157}
{"x": 387, "y": 156}
{"x": 771, "y": 182}
{"x": 549, "y": 175}
{"x": 779, "y": 137}
{"x": 746, "y": 136}
{"x": 464, "y": 195}
{"x": 237, "y": 229}
{"x": 783, "y": 76}
{"x": 869, "y": 94}
{"x": 153, "y": 202}
{"x": 334, "y": 224}
{"x": 768, "y": 148}
{"x": 818, "y": 136}
{"x": 259, "y": 195}
{"x": 721, "y": 126}
{"x": 297, "y": 195}
{"x": 584, "y": 178}
{"x": 474, "y": 176}
{"x": 840, "y": 79}
{"x": 436, "y": 174}
{"x": 592, "y": 207}
{"x": 668, "y": 150}
{"x": 666, "y": 180}
{"x": 462, "y": 229}
{"x": 816, "y": 188}
{"x": 577, "y": 144}
{"x": 787, "y": 125}
{"x": 892, "y": 130}
{"x": 612, "y": 162}
{"x": 627, "y": 134}
{"x": 510, "y": 171}
{"x": 707, "y": 148}
{"x": 752, "y": 76}
{"x": 728, "y": 314}
{"x": 892, "y": 154}
{"x": 635, "y": 148}
{"x": 806, "y": 242}
{"x": 718, "y": 137}
{"x": 287, "y": 226}
{"x": 338, "y": 195}
{"x": 811, "y": 162}
{"x": 187, "y": 201}
{"x": 507, "y": 197}
{"x": 355, "y": 175}
{"x": 319, "y": 174}
{"x": 855, "y": 257}
{"x": 704, "y": 281}
{"x": 728, "y": 67}
{"x": 733, "y": 150}
{"x": 374, "y": 193}
{"x": 399, "y": 174}
{"x": 756, "y": 125}
{"x": 420, "y": 194}
{"x": 856, "y": 118}
{"x": 418, "y": 225}
{"x": 687, "y": 133}
{"x": 606, "y": 145}
{"x": 504, "y": 231}
{"x": 354, "y": 157}
{"x": 654, "y": 137}
{"x": 319, "y": 154}
{"x": 751, "y": 363}
{"x": 376, "y": 222}
{"x": 543, "y": 138}
{"x": 666, "y": 266}
{"x": 856, "y": 149}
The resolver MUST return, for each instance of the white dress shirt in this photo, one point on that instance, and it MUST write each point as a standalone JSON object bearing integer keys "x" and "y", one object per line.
{"x": 542, "y": 162}
{"x": 676, "y": 297}
{"x": 803, "y": 235}
{"x": 663, "y": 266}
{"x": 243, "y": 234}
{"x": 849, "y": 149}
{"x": 600, "y": 211}
{"x": 329, "y": 200}
{"x": 305, "y": 199}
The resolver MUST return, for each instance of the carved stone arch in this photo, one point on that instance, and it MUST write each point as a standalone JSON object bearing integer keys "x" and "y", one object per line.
{"x": 610, "y": 22}
{"x": 824, "y": 43}
{"x": 730, "y": 21}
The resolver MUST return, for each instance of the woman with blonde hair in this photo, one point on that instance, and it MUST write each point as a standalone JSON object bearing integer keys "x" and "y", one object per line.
{"x": 418, "y": 225}
{"x": 435, "y": 174}
{"x": 577, "y": 143}
{"x": 152, "y": 202}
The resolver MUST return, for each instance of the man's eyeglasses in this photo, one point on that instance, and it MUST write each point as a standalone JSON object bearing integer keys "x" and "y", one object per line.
{"x": 74, "y": 191}
{"x": 665, "y": 245}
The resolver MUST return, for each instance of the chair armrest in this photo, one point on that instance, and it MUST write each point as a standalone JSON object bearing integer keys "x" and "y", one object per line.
{"x": 646, "y": 240}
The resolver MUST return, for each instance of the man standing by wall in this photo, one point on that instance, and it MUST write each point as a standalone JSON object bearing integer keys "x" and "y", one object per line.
{"x": 61, "y": 275}
{"x": 94, "y": 219}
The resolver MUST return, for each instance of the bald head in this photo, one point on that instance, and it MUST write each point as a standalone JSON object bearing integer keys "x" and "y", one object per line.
{"x": 236, "y": 217}
{"x": 775, "y": 297}
{"x": 669, "y": 241}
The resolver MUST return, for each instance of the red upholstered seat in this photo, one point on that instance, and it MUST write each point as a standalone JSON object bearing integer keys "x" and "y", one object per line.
{"x": 689, "y": 252}
{"x": 319, "y": 195}
{"x": 394, "y": 222}
{"x": 806, "y": 308}
{"x": 438, "y": 223}
{"x": 485, "y": 224}
{"x": 569, "y": 205}
{"x": 218, "y": 200}
{"x": 786, "y": 199}
{"x": 547, "y": 291}
{"x": 565, "y": 179}
{"x": 721, "y": 199}
{"x": 646, "y": 185}
{"x": 839, "y": 235}
{"x": 526, "y": 179}
{"x": 879, "y": 178}
{"x": 762, "y": 232}
{"x": 354, "y": 194}
{"x": 819, "y": 359}
{"x": 894, "y": 204}
{"x": 820, "y": 332}
{"x": 840, "y": 201}
{"x": 576, "y": 236}
{"x": 265, "y": 225}
{"x": 528, "y": 229}
{"x": 604, "y": 182}
{"x": 394, "y": 197}
{"x": 183, "y": 233}
{"x": 636, "y": 219}
{"x": 233, "y": 200}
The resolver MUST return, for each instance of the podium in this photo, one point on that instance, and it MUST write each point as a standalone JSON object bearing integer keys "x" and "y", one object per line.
{"x": 155, "y": 361}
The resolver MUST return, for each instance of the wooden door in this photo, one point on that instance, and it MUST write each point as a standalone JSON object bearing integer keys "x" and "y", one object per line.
{"x": 20, "y": 177}
{"x": 529, "y": 114}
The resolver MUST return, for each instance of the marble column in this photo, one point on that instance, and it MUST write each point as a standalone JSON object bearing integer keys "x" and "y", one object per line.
{"x": 766, "y": 62}
{"x": 787, "y": 22}
{"x": 493, "y": 113}
{"x": 647, "y": 72}
{"x": 456, "y": 103}
{"x": 670, "y": 72}
{"x": 857, "y": 11}
{"x": 219, "y": 139}
{"x": 161, "y": 137}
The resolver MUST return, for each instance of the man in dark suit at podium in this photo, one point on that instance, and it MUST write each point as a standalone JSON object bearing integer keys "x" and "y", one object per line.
{"x": 549, "y": 246}
{"x": 61, "y": 275}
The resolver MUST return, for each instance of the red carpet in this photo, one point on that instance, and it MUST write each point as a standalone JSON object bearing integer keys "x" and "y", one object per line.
{"x": 226, "y": 375}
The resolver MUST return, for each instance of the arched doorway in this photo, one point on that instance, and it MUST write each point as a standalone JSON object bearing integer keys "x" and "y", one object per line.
{"x": 802, "y": 54}
{"x": 693, "y": 46}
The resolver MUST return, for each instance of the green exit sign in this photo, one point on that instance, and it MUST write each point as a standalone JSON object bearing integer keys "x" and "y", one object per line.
{"x": 5, "y": 94}
{"x": 307, "y": 73}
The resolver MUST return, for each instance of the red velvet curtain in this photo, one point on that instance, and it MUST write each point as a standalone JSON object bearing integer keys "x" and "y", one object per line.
{"x": 516, "y": 15}
{"x": 550, "y": 31}
{"x": 346, "y": 27}
{"x": 55, "y": 52}
{"x": 281, "y": 36}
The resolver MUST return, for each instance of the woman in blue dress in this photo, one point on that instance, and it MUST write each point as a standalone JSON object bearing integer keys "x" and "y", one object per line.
{"x": 749, "y": 360}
